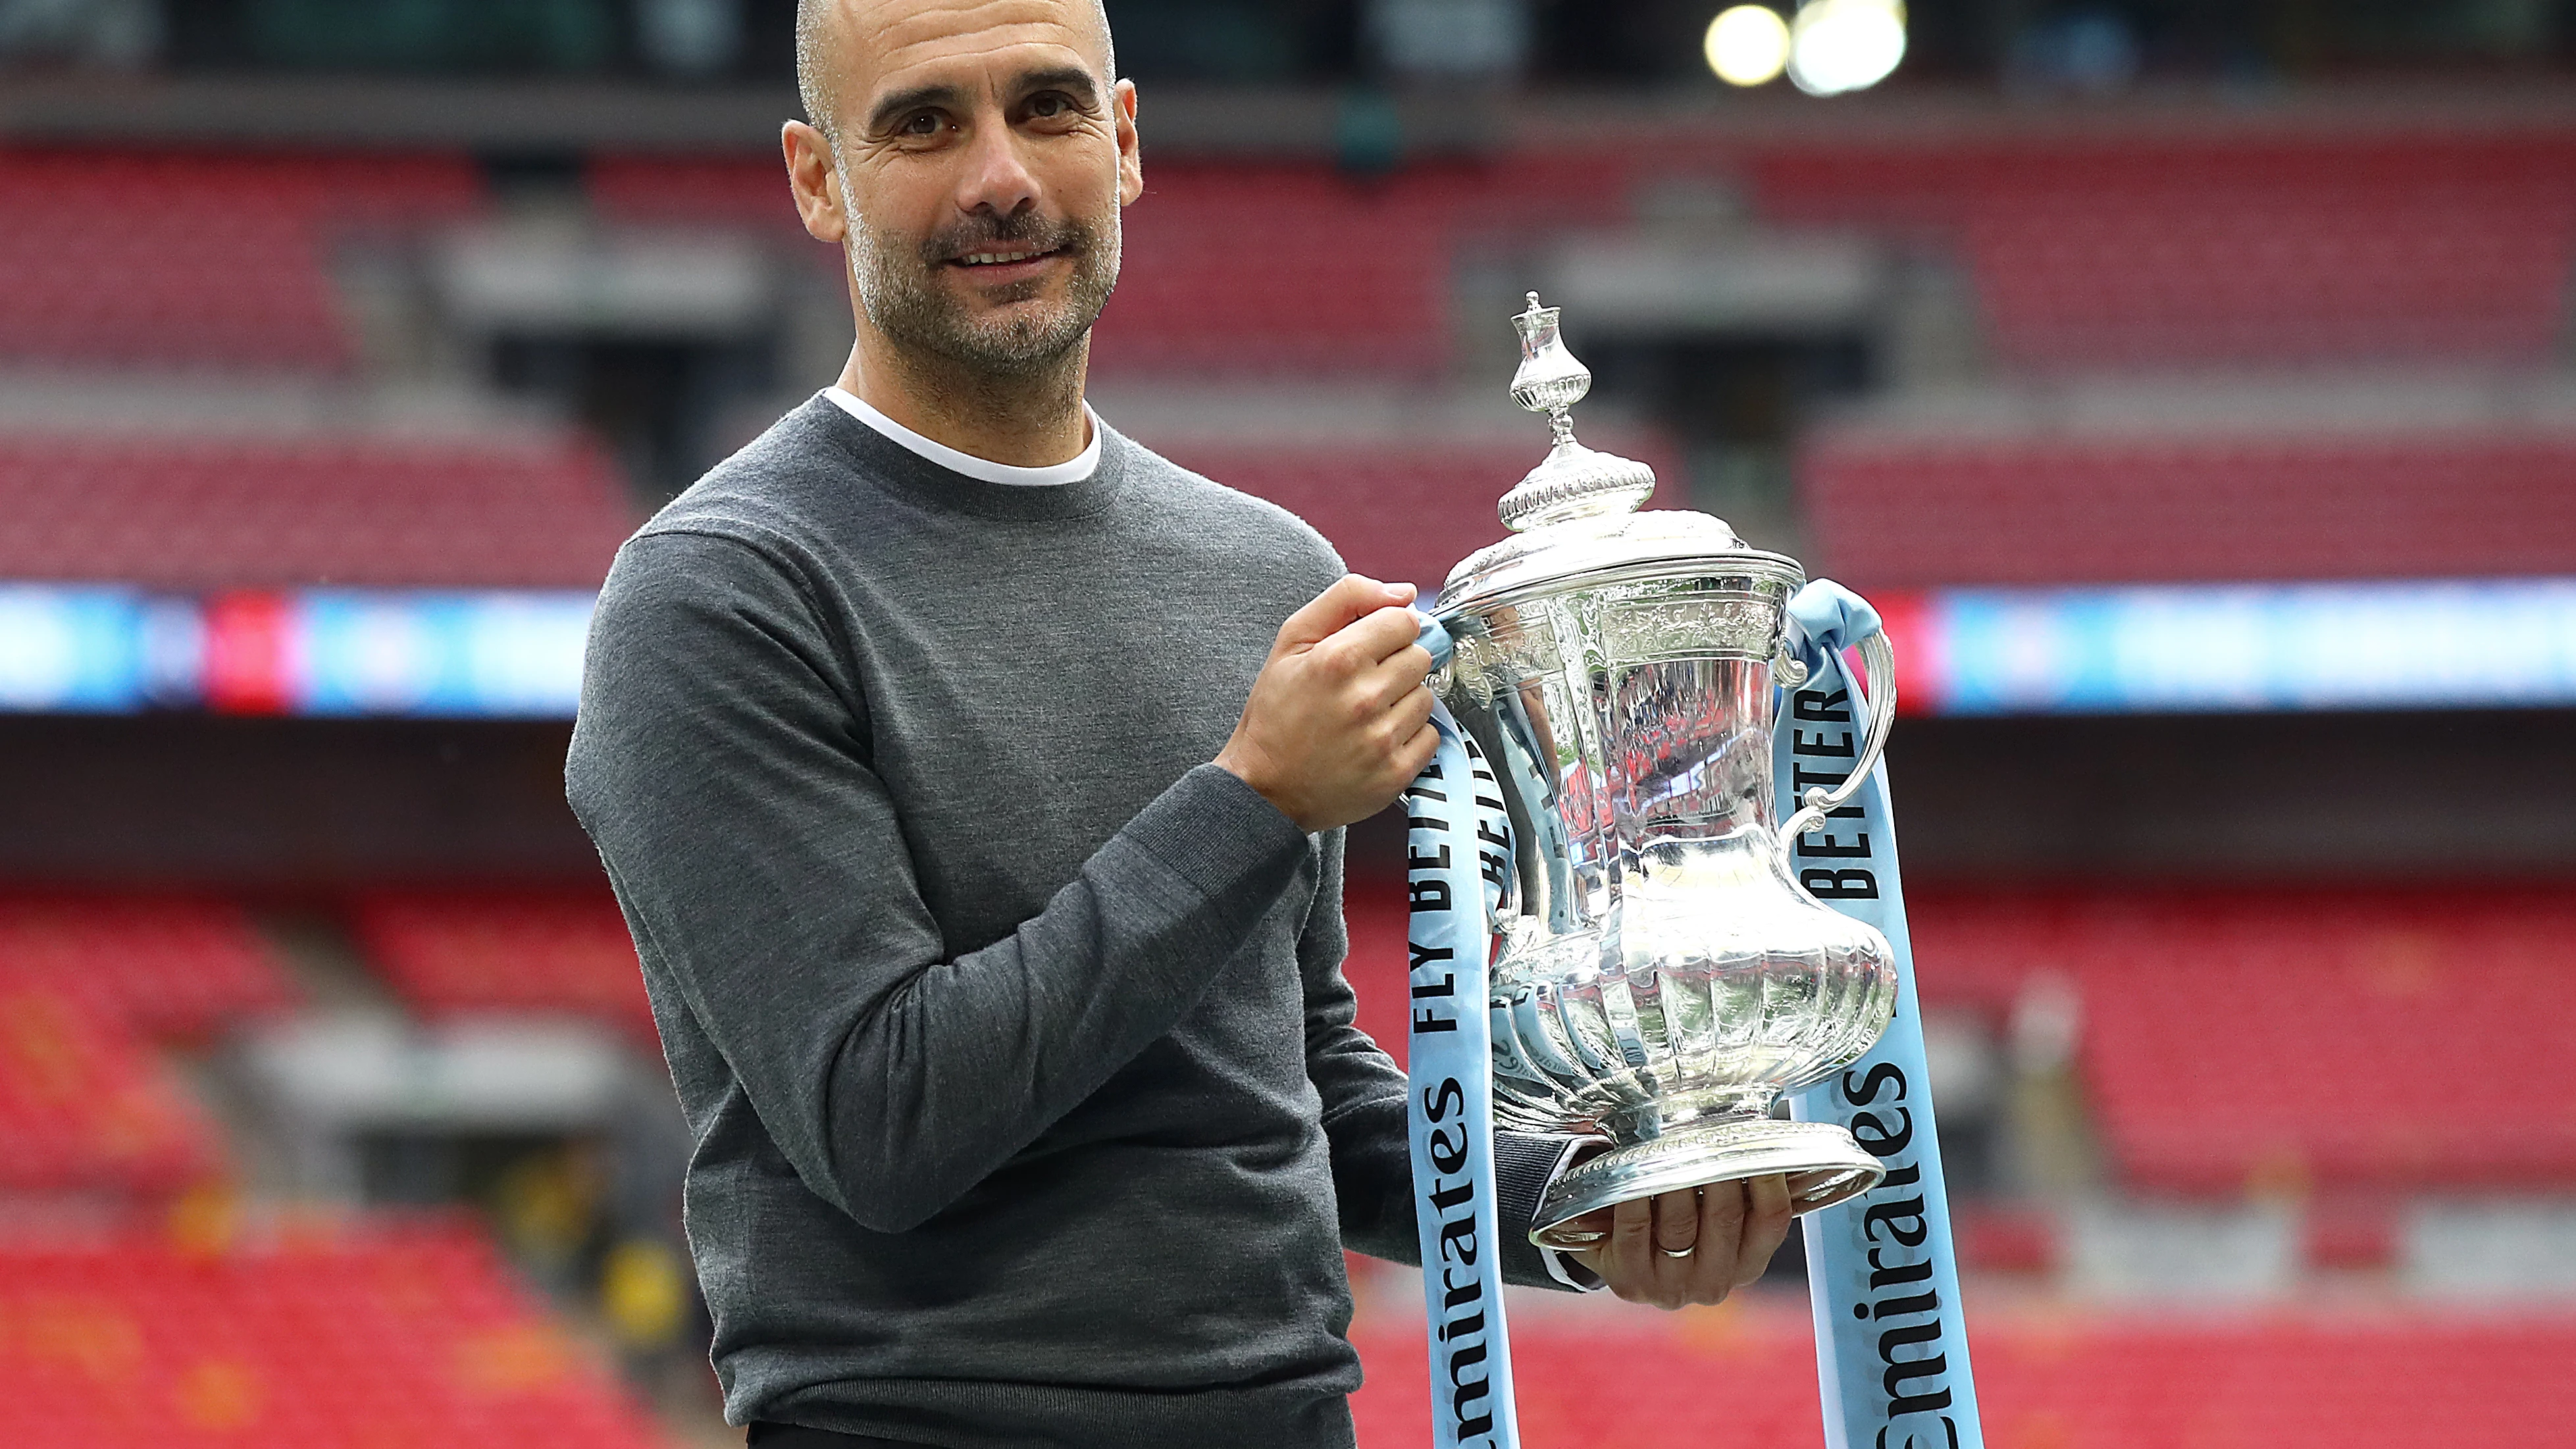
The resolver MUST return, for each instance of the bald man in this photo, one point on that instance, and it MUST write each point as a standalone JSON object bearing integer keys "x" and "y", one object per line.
{"x": 979, "y": 824}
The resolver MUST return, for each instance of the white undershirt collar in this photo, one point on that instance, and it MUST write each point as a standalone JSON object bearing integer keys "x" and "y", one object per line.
{"x": 985, "y": 470}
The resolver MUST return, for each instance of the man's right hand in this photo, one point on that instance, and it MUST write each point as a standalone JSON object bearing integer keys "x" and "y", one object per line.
{"x": 1340, "y": 720}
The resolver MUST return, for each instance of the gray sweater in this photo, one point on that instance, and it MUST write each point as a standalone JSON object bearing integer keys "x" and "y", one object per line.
{"x": 1013, "y": 1035}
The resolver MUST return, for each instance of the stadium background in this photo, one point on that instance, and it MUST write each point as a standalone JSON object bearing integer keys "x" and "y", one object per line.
{"x": 2190, "y": 382}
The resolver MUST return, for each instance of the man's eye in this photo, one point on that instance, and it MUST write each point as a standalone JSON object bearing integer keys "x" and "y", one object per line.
{"x": 922, "y": 124}
{"x": 1049, "y": 106}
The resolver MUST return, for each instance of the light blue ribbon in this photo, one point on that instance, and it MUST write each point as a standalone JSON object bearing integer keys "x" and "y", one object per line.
{"x": 1882, "y": 1270}
{"x": 1451, "y": 1095}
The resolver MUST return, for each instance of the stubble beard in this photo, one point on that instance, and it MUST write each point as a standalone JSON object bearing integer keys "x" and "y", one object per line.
{"x": 898, "y": 287}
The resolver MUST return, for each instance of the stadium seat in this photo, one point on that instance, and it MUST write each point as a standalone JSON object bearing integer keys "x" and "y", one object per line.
{"x": 403, "y": 1335}
{"x": 530, "y": 951}
{"x": 2123, "y": 252}
{"x": 1899, "y": 512}
{"x": 170, "y": 967}
{"x": 2048, "y": 1377}
{"x": 86, "y": 1108}
{"x": 2289, "y": 1041}
{"x": 249, "y": 513}
{"x": 234, "y": 269}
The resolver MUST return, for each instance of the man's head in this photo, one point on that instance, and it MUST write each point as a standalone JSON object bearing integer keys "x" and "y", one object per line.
{"x": 972, "y": 156}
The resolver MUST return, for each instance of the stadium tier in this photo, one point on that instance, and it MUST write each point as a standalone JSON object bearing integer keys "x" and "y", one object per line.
{"x": 2124, "y": 251}
{"x": 86, "y": 1107}
{"x": 1892, "y": 511}
{"x": 164, "y": 259}
{"x": 2334, "y": 1004}
{"x": 169, "y": 967}
{"x": 2085, "y": 251}
{"x": 1745, "y": 1377}
{"x": 201, "y": 514}
{"x": 678, "y": 191}
{"x": 87, "y": 985}
{"x": 542, "y": 952}
{"x": 393, "y": 1335}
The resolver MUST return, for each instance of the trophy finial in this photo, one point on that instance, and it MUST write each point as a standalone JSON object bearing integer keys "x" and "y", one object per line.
{"x": 1574, "y": 481}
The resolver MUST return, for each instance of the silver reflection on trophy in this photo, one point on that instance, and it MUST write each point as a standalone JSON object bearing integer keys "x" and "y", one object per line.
{"x": 1660, "y": 975}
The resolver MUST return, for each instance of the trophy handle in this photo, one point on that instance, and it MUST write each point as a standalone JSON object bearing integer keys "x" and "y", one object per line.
{"x": 1878, "y": 666}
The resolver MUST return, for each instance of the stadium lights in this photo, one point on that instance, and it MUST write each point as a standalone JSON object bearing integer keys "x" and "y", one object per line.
{"x": 1837, "y": 46}
{"x": 1748, "y": 45}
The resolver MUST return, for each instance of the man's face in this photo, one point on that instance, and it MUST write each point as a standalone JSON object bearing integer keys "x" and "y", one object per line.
{"x": 982, "y": 156}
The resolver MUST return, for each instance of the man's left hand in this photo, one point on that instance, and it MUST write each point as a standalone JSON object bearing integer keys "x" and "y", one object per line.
{"x": 1695, "y": 1245}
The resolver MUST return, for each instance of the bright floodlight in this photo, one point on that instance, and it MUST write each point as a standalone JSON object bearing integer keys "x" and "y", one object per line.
{"x": 1845, "y": 45}
{"x": 1748, "y": 45}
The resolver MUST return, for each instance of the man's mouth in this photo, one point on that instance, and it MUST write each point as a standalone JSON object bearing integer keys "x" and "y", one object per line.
{"x": 1003, "y": 259}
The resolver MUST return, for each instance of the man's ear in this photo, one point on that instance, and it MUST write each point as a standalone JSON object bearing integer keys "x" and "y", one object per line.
{"x": 1131, "y": 158}
{"x": 815, "y": 182}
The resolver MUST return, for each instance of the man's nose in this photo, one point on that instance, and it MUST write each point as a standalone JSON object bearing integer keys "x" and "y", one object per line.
{"x": 997, "y": 174}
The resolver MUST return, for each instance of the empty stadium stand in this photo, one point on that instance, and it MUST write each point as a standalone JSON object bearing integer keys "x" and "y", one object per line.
{"x": 1893, "y": 511}
{"x": 545, "y": 512}
{"x": 2147, "y": 251}
{"x": 2086, "y": 251}
{"x": 88, "y": 986}
{"x": 203, "y": 260}
{"x": 2293, "y": 1040}
{"x": 85, "y": 1106}
{"x": 2047, "y": 1378}
{"x": 386, "y": 1333}
{"x": 168, "y": 967}
{"x": 532, "y": 951}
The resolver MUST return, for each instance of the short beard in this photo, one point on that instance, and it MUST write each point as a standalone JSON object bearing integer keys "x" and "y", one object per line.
{"x": 896, "y": 288}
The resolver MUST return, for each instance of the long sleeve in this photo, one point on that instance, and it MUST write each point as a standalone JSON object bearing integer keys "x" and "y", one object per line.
{"x": 721, "y": 763}
{"x": 1364, "y": 1116}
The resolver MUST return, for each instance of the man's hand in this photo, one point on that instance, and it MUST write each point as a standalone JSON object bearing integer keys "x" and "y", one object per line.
{"x": 1695, "y": 1245}
{"x": 1339, "y": 721}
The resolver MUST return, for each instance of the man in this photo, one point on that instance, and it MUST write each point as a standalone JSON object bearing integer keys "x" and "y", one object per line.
{"x": 982, "y": 842}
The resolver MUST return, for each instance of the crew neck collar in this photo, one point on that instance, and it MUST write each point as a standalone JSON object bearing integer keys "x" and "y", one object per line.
{"x": 883, "y": 462}
{"x": 1081, "y": 466}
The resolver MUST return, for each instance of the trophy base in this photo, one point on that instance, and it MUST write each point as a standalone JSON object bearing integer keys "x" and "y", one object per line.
{"x": 1821, "y": 1161}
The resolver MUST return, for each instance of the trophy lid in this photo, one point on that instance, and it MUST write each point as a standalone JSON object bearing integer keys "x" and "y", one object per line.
{"x": 1576, "y": 513}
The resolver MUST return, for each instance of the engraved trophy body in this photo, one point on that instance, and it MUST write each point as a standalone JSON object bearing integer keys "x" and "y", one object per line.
{"x": 1660, "y": 976}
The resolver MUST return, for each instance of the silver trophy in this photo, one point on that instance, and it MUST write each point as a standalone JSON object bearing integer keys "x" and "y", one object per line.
{"x": 1660, "y": 976}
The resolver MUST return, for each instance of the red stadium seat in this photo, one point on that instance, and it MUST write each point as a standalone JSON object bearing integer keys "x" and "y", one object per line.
{"x": 2124, "y": 252}
{"x": 233, "y": 269}
{"x": 85, "y": 1106}
{"x": 1899, "y": 512}
{"x": 497, "y": 513}
{"x": 544, "y": 952}
{"x": 2288, "y": 1040}
{"x": 402, "y": 1335}
{"x": 1744, "y": 1375}
{"x": 169, "y": 967}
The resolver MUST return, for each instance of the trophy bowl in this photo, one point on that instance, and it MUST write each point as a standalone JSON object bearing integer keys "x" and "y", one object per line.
{"x": 1660, "y": 975}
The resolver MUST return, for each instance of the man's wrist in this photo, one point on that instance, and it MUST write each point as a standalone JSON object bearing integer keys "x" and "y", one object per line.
{"x": 1236, "y": 761}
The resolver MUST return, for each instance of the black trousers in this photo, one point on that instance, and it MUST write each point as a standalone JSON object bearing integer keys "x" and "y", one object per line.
{"x": 797, "y": 1436}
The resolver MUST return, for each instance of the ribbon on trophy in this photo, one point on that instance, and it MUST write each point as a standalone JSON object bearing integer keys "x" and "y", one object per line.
{"x": 1455, "y": 839}
{"x": 1882, "y": 1271}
